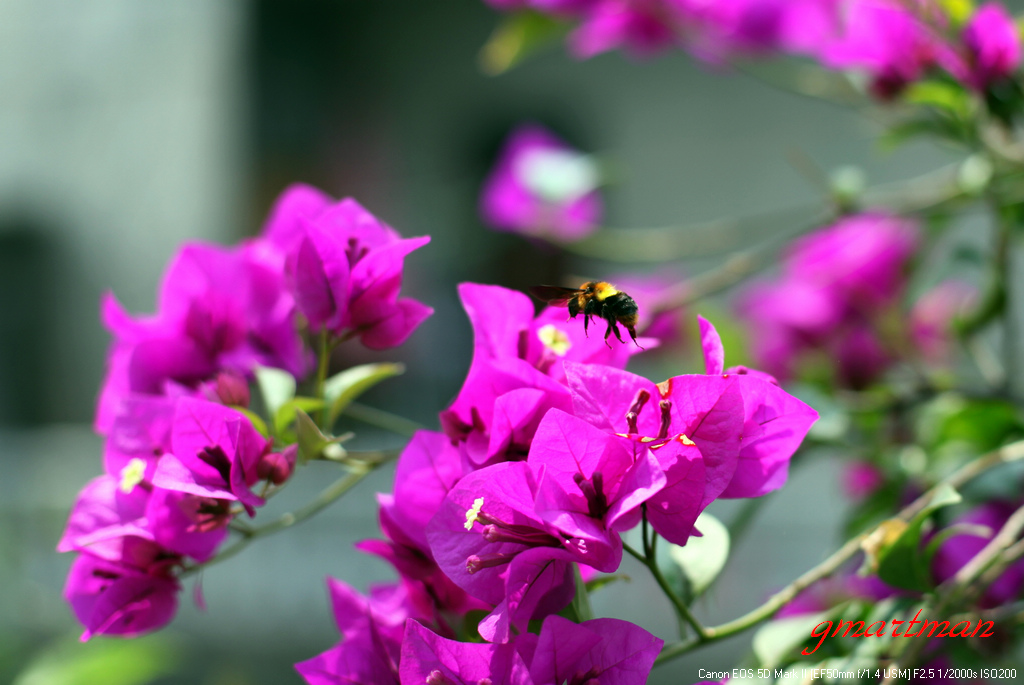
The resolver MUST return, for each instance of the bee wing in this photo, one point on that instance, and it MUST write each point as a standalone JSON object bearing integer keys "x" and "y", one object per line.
{"x": 553, "y": 294}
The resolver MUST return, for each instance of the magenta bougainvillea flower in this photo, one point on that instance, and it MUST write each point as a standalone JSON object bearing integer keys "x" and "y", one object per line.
{"x": 591, "y": 477}
{"x": 140, "y": 432}
{"x": 887, "y": 39}
{"x": 108, "y": 521}
{"x": 601, "y": 650}
{"x": 605, "y": 650}
{"x": 934, "y": 314}
{"x": 372, "y": 630}
{"x": 861, "y": 479}
{"x": 955, "y": 552}
{"x": 490, "y": 540}
{"x": 992, "y": 43}
{"x": 344, "y": 267}
{"x": 774, "y": 423}
{"x": 517, "y": 373}
{"x": 837, "y": 286}
{"x": 218, "y": 308}
{"x": 642, "y": 26}
{"x": 215, "y": 454}
{"x": 116, "y": 598}
{"x": 427, "y": 469}
{"x": 542, "y": 187}
{"x": 430, "y": 658}
{"x": 692, "y": 424}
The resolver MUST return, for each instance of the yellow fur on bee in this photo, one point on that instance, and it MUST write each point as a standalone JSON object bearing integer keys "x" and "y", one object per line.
{"x": 602, "y": 291}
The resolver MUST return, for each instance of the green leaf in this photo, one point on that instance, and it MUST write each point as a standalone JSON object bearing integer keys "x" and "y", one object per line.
{"x": 702, "y": 558}
{"x": 776, "y": 640}
{"x": 985, "y": 424}
{"x": 958, "y": 11}
{"x": 285, "y": 414}
{"x": 255, "y": 419}
{"x": 951, "y": 531}
{"x": 276, "y": 387}
{"x": 312, "y": 443}
{"x": 597, "y": 583}
{"x": 901, "y": 562}
{"x": 945, "y": 95}
{"x": 342, "y": 388}
{"x": 581, "y": 600}
{"x": 517, "y": 36}
{"x": 100, "y": 662}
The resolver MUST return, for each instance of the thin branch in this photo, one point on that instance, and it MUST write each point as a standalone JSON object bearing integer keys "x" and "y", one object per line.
{"x": 953, "y": 590}
{"x": 1010, "y": 453}
{"x": 382, "y": 419}
{"x": 248, "y": 533}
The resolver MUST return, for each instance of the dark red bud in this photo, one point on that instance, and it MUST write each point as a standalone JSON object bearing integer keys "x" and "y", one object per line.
{"x": 277, "y": 467}
{"x": 233, "y": 389}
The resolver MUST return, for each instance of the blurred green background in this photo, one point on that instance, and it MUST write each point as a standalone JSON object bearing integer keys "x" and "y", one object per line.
{"x": 127, "y": 127}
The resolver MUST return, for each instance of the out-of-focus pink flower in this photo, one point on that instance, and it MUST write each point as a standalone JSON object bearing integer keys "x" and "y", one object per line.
{"x": 861, "y": 479}
{"x": 835, "y": 285}
{"x": 886, "y": 38}
{"x": 954, "y": 553}
{"x": 642, "y": 26}
{"x": 542, "y": 187}
{"x": 992, "y": 43}
{"x": 933, "y": 316}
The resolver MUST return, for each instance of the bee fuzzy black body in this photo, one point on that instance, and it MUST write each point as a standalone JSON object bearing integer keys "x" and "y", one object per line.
{"x": 594, "y": 299}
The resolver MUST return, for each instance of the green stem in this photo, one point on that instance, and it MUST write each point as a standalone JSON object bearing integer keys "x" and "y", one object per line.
{"x": 327, "y": 496}
{"x": 323, "y": 366}
{"x": 382, "y": 419}
{"x": 1004, "y": 271}
{"x": 650, "y": 560}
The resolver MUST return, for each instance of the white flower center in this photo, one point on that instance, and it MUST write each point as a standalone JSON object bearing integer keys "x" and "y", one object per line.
{"x": 554, "y": 339}
{"x": 132, "y": 474}
{"x": 474, "y": 512}
{"x": 557, "y": 175}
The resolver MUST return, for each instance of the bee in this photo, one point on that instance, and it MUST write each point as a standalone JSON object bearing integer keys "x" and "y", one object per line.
{"x": 594, "y": 298}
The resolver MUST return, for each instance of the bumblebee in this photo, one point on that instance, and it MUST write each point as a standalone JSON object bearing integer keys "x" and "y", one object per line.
{"x": 594, "y": 298}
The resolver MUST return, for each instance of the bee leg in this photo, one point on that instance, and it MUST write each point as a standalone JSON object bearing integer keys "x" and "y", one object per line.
{"x": 611, "y": 327}
{"x": 615, "y": 328}
{"x": 586, "y": 324}
{"x": 632, "y": 334}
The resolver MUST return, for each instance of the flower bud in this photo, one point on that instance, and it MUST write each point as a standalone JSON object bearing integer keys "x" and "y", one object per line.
{"x": 232, "y": 389}
{"x": 277, "y": 467}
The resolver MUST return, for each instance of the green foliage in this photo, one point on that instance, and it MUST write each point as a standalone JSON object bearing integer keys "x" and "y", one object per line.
{"x": 703, "y": 558}
{"x": 342, "y": 388}
{"x": 101, "y": 662}
{"x": 901, "y": 563}
{"x": 776, "y": 640}
{"x": 276, "y": 387}
{"x": 285, "y": 415}
{"x": 313, "y": 444}
{"x": 518, "y": 36}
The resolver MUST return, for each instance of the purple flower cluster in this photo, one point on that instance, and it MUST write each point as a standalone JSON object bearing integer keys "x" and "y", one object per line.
{"x": 836, "y": 288}
{"x": 549, "y": 453}
{"x": 839, "y": 303}
{"x": 182, "y": 458}
{"x": 895, "y": 41}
